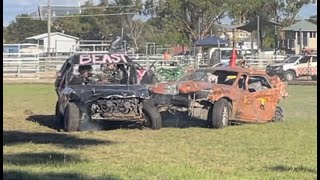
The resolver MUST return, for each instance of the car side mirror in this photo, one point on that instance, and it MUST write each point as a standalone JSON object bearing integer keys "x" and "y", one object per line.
{"x": 59, "y": 75}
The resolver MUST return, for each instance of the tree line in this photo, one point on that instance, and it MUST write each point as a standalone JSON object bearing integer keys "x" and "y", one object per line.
{"x": 166, "y": 22}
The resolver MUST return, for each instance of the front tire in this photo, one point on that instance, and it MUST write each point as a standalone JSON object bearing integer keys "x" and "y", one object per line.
{"x": 71, "y": 117}
{"x": 58, "y": 121}
{"x": 221, "y": 113}
{"x": 152, "y": 115}
{"x": 278, "y": 115}
{"x": 289, "y": 76}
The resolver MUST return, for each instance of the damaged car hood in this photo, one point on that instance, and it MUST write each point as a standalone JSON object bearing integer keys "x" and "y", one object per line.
{"x": 91, "y": 92}
{"x": 277, "y": 64}
{"x": 185, "y": 87}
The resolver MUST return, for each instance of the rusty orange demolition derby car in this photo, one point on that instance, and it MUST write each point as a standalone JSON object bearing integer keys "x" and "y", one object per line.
{"x": 223, "y": 95}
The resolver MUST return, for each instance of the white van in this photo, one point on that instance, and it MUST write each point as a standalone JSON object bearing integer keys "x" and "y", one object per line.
{"x": 222, "y": 55}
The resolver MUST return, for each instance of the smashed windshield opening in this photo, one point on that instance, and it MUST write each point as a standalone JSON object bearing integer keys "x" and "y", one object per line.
{"x": 225, "y": 77}
{"x": 198, "y": 75}
{"x": 102, "y": 74}
{"x": 212, "y": 76}
{"x": 292, "y": 59}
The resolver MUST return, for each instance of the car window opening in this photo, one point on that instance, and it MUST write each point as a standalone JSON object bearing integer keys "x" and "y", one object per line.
{"x": 226, "y": 77}
{"x": 103, "y": 74}
{"x": 258, "y": 83}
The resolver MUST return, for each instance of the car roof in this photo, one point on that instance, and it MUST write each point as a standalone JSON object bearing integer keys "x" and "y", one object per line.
{"x": 242, "y": 70}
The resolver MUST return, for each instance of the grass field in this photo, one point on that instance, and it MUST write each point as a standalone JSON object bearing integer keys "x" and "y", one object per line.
{"x": 33, "y": 150}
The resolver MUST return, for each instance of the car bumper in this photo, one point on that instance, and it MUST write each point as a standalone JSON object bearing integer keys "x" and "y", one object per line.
{"x": 174, "y": 100}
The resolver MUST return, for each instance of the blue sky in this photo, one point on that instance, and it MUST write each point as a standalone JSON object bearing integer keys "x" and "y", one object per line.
{"x": 11, "y": 8}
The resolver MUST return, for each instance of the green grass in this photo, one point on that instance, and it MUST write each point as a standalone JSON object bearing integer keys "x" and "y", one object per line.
{"x": 32, "y": 150}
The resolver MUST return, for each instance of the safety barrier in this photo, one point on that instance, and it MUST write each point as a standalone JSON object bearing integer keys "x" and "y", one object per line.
{"x": 29, "y": 65}
{"x": 260, "y": 62}
{"x": 20, "y": 65}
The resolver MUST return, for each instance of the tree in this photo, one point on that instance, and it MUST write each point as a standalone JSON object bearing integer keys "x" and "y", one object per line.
{"x": 134, "y": 29}
{"x": 22, "y": 28}
{"x": 193, "y": 18}
{"x": 283, "y": 11}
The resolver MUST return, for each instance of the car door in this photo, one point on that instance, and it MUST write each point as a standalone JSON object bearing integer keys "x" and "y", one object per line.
{"x": 60, "y": 73}
{"x": 258, "y": 102}
{"x": 303, "y": 66}
{"x": 312, "y": 67}
{"x": 63, "y": 79}
{"x": 243, "y": 104}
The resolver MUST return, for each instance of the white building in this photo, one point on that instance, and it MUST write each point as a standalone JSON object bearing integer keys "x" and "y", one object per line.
{"x": 59, "y": 43}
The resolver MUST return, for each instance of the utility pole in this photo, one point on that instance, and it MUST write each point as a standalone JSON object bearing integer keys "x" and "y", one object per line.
{"x": 49, "y": 26}
{"x": 258, "y": 33}
{"x": 275, "y": 35}
{"x": 301, "y": 40}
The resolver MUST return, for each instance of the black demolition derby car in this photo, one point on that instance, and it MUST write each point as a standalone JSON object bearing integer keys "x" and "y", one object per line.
{"x": 95, "y": 88}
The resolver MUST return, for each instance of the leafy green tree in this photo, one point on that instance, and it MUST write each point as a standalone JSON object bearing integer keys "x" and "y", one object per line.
{"x": 22, "y": 28}
{"x": 193, "y": 18}
{"x": 283, "y": 11}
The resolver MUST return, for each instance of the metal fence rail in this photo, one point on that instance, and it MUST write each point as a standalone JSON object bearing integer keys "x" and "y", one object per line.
{"x": 20, "y": 65}
{"x": 29, "y": 65}
{"x": 260, "y": 62}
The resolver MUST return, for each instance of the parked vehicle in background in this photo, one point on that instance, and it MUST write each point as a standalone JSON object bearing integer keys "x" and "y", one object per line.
{"x": 222, "y": 55}
{"x": 222, "y": 95}
{"x": 294, "y": 67}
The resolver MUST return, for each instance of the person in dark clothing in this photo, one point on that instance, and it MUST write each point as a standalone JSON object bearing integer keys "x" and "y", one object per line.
{"x": 83, "y": 77}
{"x": 111, "y": 73}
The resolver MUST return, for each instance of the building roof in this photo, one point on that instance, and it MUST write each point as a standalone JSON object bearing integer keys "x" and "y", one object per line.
{"x": 242, "y": 70}
{"x": 45, "y": 35}
{"x": 228, "y": 27}
{"x": 304, "y": 25}
{"x": 252, "y": 25}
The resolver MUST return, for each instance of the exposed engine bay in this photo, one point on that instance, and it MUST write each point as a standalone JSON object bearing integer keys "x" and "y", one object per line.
{"x": 117, "y": 109}
{"x": 194, "y": 104}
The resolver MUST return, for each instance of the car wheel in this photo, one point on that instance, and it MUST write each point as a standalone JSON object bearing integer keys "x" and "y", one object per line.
{"x": 152, "y": 116}
{"x": 209, "y": 118}
{"x": 71, "y": 117}
{"x": 314, "y": 78}
{"x": 289, "y": 76}
{"x": 278, "y": 115}
{"x": 58, "y": 117}
{"x": 221, "y": 113}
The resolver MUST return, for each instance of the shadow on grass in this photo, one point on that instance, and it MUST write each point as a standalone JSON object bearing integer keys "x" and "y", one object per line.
{"x": 47, "y": 158}
{"x": 293, "y": 169}
{"x": 11, "y": 174}
{"x": 44, "y": 120}
{"x": 177, "y": 120}
{"x": 181, "y": 120}
{"x": 65, "y": 140}
{"x": 48, "y": 121}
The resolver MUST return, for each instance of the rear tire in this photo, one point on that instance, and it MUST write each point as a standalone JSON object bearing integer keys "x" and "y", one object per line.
{"x": 152, "y": 115}
{"x": 314, "y": 78}
{"x": 71, "y": 117}
{"x": 289, "y": 76}
{"x": 278, "y": 115}
{"x": 221, "y": 113}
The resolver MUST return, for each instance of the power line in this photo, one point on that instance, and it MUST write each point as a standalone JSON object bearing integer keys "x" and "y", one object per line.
{"x": 89, "y": 7}
{"x": 82, "y": 15}
{"x": 49, "y": 26}
{"x": 107, "y": 7}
